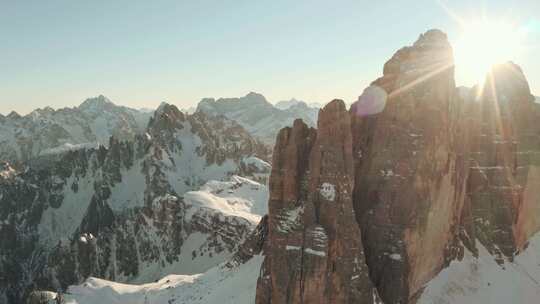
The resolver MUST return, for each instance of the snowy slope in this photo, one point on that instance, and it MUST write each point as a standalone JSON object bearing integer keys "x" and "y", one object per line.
{"x": 473, "y": 280}
{"x": 219, "y": 285}
{"x": 238, "y": 202}
{"x": 240, "y": 197}
{"x": 481, "y": 280}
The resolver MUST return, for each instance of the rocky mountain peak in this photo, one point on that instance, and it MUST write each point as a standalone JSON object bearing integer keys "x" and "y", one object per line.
{"x": 44, "y": 111}
{"x": 293, "y": 104}
{"x": 433, "y": 38}
{"x": 310, "y": 189}
{"x": 507, "y": 79}
{"x": 13, "y": 115}
{"x": 257, "y": 115}
{"x": 429, "y": 57}
{"x": 98, "y": 103}
{"x": 167, "y": 120}
{"x": 504, "y": 164}
{"x": 427, "y": 169}
{"x": 255, "y": 97}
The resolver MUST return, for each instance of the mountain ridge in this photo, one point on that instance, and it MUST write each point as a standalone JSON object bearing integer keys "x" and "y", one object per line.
{"x": 133, "y": 210}
{"x": 261, "y": 118}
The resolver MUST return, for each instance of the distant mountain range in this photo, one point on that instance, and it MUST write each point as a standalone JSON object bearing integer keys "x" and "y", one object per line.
{"x": 286, "y": 104}
{"x": 177, "y": 196}
{"x": 45, "y": 131}
{"x": 258, "y": 116}
{"x": 129, "y": 195}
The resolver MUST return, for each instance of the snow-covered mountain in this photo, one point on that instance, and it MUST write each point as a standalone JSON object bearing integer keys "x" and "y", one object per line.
{"x": 46, "y": 131}
{"x": 257, "y": 115}
{"x": 168, "y": 201}
{"x": 286, "y": 104}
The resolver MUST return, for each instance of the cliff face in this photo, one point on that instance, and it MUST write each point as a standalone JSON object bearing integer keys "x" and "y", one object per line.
{"x": 409, "y": 184}
{"x": 314, "y": 253}
{"x": 504, "y": 163}
{"x": 426, "y": 171}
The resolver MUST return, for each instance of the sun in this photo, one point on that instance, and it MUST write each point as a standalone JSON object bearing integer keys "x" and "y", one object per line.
{"x": 482, "y": 44}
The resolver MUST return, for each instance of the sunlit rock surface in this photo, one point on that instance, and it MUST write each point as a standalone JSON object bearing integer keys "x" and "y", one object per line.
{"x": 433, "y": 168}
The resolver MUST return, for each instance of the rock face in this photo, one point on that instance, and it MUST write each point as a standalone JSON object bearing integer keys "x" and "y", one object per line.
{"x": 314, "y": 253}
{"x": 427, "y": 168}
{"x": 504, "y": 169}
{"x": 410, "y": 176}
{"x": 128, "y": 212}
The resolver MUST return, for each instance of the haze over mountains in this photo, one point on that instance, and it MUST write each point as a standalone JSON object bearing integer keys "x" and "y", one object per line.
{"x": 419, "y": 192}
{"x": 257, "y": 115}
{"x": 47, "y": 131}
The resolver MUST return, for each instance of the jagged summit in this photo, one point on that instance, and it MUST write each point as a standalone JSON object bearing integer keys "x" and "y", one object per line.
{"x": 257, "y": 115}
{"x": 13, "y": 115}
{"x": 429, "y": 59}
{"x": 166, "y": 108}
{"x": 433, "y": 38}
{"x": 166, "y": 118}
{"x": 506, "y": 77}
{"x": 434, "y": 174}
{"x": 256, "y": 97}
{"x": 94, "y": 103}
{"x": 251, "y": 100}
{"x": 421, "y": 192}
{"x": 165, "y": 201}
{"x": 48, "y": 131}
{"x": 293, "y": 102}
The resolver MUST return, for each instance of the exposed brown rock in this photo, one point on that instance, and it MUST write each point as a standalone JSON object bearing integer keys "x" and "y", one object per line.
{"x": 504, "y": 170}
{"x": 410, "y": 176}
{"x": 314, "y": 252}
{"x": 428, "y": 169}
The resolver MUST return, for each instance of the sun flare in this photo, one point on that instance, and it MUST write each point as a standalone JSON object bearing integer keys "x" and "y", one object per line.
{"x": 483, "y": 44}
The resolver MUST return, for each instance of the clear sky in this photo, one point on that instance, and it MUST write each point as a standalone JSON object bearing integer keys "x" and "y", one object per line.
{"x": 140, "y": 53}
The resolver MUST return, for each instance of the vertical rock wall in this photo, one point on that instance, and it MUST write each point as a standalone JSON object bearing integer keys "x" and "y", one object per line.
{"x": 399, "y": 185}
{"x": 313, "y": 253}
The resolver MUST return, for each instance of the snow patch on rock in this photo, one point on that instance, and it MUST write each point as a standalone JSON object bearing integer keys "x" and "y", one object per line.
{"x": 328, "y": 191}
{"x": 240, "y": 197}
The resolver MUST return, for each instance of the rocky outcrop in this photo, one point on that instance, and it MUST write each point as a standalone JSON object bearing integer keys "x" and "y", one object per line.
{"x": 504, "y": 170}
{"x": 427, "y": 169}
{"x": 314, "y": 251}
{"x": 410, "y": 174}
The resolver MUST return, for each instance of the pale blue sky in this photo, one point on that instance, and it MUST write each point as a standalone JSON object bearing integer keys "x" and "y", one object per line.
{"x": 57, "y": 53}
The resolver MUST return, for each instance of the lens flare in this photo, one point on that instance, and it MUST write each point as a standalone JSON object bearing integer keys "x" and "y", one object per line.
{"x": 483, "y": 44}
